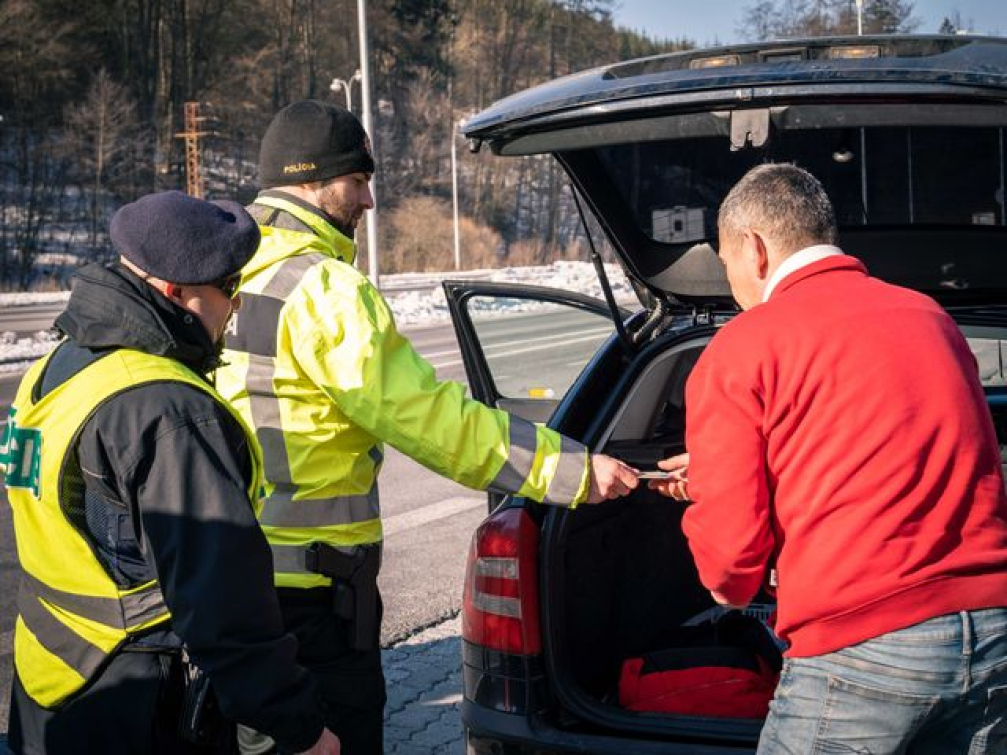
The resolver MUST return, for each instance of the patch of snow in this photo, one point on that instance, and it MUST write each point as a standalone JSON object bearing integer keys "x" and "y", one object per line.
{"x": 16, "y": 353}
{"x": 415, "y": 308}
{"x": 20, "y": 299}
{"x": 412, "y": 308}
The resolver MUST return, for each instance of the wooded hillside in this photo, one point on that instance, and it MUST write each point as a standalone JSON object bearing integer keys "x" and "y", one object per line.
{"x": 92, "y": 97}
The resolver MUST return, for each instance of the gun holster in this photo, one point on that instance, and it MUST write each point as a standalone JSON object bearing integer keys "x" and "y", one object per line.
{"x": 354, "y": 588}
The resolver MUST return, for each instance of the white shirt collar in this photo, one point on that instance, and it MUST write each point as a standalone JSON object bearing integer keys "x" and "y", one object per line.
{"x": 796, "y": 261}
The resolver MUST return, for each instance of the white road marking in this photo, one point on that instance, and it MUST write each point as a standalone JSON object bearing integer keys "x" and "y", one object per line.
{"x": 490, "y": 350}
{"x": 431, "y": 513}
{"x": 493, "y": 353}
{"x": 430, "y": 356}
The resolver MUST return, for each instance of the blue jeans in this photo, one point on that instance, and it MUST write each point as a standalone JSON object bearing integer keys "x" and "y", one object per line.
{"x": 936, "y": 688}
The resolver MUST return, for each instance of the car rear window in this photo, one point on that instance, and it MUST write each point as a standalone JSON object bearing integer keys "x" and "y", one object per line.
{"x": 876, "y": 176}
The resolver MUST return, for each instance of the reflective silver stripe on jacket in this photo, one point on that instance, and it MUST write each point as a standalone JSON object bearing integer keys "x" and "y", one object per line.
{"x": 57, "y": 638}
{"x": 60, "y": 640}
{"x": 289, "y": 559}
{"x": 520, "y": 457}
{"x": 277, "y": 218}
{"x": 131, "y": 610}
{"x": 281, "y": 510}
{"x": 569, "y": 473}
{"x": 255, "y": 333}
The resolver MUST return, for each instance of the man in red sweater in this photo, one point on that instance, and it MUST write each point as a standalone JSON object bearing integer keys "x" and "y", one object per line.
{"x": 837, "y": 430}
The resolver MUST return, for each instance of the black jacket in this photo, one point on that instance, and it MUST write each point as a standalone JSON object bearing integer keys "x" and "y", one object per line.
{"x": 165, "y": 474}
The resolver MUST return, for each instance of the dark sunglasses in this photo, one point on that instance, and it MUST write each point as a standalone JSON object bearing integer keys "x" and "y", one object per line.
{"x": 229, "y": 285}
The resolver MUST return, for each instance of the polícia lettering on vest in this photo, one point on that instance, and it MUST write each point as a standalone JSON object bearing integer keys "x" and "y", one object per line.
{"x": 20, "y": 455}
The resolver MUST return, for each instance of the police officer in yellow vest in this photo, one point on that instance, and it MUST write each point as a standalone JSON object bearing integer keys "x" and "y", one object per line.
{"x": 316, "y": 366}
{"x": 133, "y": 488}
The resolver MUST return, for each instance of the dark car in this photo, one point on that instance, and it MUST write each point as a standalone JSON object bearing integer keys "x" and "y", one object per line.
{"x": 909, "y": 137}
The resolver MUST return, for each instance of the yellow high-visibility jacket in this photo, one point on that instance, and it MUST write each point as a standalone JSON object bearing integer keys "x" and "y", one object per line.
{"x": 71, "y": 614}
{"x": 315, "y": 364}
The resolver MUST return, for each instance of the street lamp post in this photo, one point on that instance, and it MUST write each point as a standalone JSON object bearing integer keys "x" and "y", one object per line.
{"x": 455, "y": 126}
{"x": 860, "y": 17}
{"x": 346, "y": 85}
{"x": 365, "y": 87}
{"x": 454, "y": 194}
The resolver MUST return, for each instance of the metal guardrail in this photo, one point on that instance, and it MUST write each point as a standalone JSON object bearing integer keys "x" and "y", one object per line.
{"x": 431, "y": 281}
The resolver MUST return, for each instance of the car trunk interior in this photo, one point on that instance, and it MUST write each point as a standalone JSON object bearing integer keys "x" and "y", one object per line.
{"x": 622, "y": 579}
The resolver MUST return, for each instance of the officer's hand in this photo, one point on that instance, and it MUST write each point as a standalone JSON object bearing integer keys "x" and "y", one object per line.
{"x": 676, "y": 486}
{"x": 327, "y": 744}
{"x": 610, "y": 478}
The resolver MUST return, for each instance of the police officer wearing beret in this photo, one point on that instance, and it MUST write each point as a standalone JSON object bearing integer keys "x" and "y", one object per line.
{"x": 316, "y": 365}
{"x": 147, "y": 615}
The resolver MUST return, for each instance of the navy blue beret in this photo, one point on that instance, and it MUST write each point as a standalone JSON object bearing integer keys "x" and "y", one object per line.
{"x": 184, "y": 240}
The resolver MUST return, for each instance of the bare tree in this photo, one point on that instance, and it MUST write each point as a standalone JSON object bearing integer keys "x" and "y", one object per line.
{"x": 787, "y": 19}
{"x": 99, "y": 135}
{"x": 433, "y": 60}
{"x": 956, "y": 24}
{"x": 33, "y": 55}
{"x": 889, "y": 17}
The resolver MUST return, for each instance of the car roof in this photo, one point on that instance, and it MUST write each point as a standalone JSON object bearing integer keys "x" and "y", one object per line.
{"x": 865, "y": 62}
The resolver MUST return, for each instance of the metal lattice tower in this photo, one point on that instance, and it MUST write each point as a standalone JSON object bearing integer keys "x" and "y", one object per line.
{"x": 193, "y": 179}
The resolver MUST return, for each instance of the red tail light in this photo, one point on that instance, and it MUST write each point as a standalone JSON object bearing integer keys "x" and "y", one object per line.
{"x": 500, "y": 605}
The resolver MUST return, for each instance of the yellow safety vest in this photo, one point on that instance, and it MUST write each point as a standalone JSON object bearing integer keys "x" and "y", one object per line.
{"x": 71, "y": 615}
{"x": 315, "y": 364}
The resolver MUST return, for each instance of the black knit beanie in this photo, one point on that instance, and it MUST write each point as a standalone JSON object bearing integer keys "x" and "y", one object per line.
{"x": 313, "y": 141}
{"x": 184, "y": 240}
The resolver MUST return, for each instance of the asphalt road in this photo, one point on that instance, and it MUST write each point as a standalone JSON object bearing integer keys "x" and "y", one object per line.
{"x": 428, "y": 520}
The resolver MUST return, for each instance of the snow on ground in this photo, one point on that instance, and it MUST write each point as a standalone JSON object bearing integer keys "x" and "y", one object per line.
{"x": 17, "y": 353}
{"x": 412, "y": 308}
{"x": 429, "y": 307}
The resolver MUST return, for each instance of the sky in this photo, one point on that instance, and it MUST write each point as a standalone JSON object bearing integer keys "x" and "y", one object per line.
{"x": 708, "y": 21}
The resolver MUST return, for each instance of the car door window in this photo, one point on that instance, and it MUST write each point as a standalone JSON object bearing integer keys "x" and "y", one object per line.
{"x": 535, "y": 350}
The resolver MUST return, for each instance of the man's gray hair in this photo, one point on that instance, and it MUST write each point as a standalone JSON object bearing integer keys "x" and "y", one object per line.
{"x": 782, "y": 201}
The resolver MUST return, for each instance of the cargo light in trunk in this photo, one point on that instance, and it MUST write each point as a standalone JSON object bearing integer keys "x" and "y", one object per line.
{"x": 500, "y": 604}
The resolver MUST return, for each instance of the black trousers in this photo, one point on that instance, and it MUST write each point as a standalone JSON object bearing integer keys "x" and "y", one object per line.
{"x": 351, "y": 681}
{"x": 132, "y": 708}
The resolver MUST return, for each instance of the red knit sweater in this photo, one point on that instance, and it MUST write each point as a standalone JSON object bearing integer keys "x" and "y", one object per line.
{"x": 841, "y": 429}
